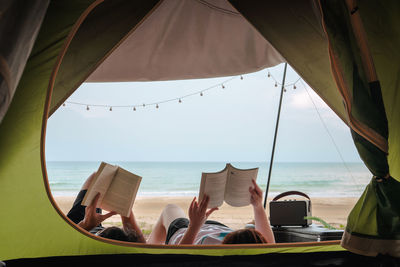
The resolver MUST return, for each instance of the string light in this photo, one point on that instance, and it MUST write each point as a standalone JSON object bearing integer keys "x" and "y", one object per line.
{"x": 201, "y": 92}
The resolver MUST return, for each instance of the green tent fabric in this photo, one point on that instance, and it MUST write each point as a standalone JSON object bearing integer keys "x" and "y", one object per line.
{"x": 71, "y": 24}
{"x": 374, "y": 223}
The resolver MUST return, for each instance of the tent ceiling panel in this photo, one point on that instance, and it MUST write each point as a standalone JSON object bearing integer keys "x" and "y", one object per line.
{"x": 95, "y": 40}
{"x": 186, "y": 40}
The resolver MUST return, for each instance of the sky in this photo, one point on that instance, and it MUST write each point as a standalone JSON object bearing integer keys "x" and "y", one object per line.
{"x": 233, "y": 124}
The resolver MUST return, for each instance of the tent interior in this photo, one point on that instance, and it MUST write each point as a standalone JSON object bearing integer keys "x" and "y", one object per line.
{"x": 55, "y": 46}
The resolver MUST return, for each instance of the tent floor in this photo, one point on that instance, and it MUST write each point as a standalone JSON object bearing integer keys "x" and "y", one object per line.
{"x": 342, "y": 258}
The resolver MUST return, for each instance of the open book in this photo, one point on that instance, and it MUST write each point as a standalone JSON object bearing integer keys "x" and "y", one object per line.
{"x": 117, "y": 188}
{"x": 230, "y": 184}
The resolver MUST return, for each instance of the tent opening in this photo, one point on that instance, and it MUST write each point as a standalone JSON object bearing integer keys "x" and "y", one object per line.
{"x": 171, "y": 132}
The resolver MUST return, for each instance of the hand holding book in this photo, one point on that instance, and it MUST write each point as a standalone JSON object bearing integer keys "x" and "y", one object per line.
{"x": 92, "y": 219}
{"x": 230, "y": 185}
{"x": 117, "y": 187}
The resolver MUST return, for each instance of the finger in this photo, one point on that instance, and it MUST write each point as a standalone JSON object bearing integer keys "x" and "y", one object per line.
{"x": 203, "y": 200}
{"x": 108, "y": 215}
{"x": 195, "y": 205}
{"x": 192, "y": 204}
{"x": 254, "y": 183}
{"x": 204, "y": 204}
{"x": 252, "y": 192}
{"x": 211, "y": 211}
{"x": 256, "y": 187}
{"x": 95, "y": 200}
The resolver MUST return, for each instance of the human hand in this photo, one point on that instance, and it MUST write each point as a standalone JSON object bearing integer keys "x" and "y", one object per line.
{"x": 92, "y": 219}
{"x": 130, "y": 225}
{"x": 128, "y": 222}
{"x": 198, "y": 213}
{"x": 256, "y": 195}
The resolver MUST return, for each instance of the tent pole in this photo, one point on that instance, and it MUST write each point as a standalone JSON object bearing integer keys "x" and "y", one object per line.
{"x": 276, "y": 132}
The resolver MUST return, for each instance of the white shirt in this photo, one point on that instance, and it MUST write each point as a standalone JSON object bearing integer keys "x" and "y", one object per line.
{"x": 209, "y": 234}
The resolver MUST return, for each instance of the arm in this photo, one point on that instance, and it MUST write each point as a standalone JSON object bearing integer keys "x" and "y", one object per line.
{"x": 198, "y": 214}
{"x": 261, "y": 221}
{"x": 130, "y": 224}
{"x": 92, "y": 219}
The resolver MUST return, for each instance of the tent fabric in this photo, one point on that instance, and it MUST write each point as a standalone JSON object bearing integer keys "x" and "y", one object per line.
{"x": 19, "y": 25}
{"x": 165, "y": 46}
{"x": 95, "y": 39}
{"x": 382, "y": 25}
{"x": 32, "y": 226}
{"x": 374, "y": 224}
{"x": 331, "y": 258}
{"x": 68, "y": 24}
{"x": 186, "y": 40}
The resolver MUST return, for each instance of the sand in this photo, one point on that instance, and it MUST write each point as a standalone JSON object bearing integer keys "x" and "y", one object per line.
{"x": 147, "y": 210}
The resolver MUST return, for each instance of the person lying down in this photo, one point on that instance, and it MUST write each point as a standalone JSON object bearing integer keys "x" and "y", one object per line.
{"x": 90, "y": 218}
{"x": 172, "y": 226}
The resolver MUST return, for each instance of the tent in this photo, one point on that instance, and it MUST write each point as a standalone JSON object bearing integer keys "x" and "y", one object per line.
{"x": 347, "y": 51}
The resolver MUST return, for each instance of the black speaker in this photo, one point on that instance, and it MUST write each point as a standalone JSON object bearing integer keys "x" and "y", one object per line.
{"x": 290, "y": 212}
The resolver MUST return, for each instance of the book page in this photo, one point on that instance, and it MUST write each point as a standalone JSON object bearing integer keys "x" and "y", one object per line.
{"x": 122, "y": 192}
{"x": 213, "y": 184}
{"x": 100, "y": 183}
{"x": 237, "y": 186}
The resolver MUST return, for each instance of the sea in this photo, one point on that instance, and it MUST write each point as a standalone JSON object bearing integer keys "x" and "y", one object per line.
{"x": 317, "y": 179}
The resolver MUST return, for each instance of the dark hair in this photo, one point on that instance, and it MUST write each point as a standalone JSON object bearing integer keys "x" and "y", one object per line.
{"x": 244, "y": 236}
{"x": 117, "y": 233}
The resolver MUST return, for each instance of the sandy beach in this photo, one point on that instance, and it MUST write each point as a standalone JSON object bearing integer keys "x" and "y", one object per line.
{"x": 147, "y": 210}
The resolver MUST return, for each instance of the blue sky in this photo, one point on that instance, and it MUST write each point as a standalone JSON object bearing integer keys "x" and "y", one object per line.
{"x": 232, "y": 124}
